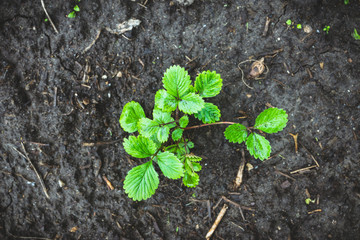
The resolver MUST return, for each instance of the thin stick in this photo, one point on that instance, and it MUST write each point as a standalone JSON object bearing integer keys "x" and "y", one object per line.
{"x": 285, "y": 175}
{"x": 236, "y": 204}
{"x": 209, "y": 124}
{"x": 316, "y": 162}
{"x": 52, "y": 24}
{"x": 295, "y": 136}
{"x": 303, "y": 169}
{"x": 217, "y": 221}
{"x": 33, "y": 167}
{"x": 240, "y": 172}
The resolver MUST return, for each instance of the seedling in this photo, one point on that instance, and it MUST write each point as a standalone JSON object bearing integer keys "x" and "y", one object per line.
{"x": 298, "y": 26}
{"x": 289, "y": 22}
{"x": 326, "y": 29}
{"x": 309, "y": 200}
{"x": 355, "y": 35}
{"x": 73, "y": 13}
{"x": 346, "y": 2}
{"x": 161, "y": 139}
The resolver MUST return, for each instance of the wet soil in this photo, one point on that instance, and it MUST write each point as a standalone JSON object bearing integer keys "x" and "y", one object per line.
{"x": 61, "y": 95}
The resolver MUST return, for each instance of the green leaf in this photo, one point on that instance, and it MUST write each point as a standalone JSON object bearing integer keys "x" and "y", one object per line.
{"x": 209, "y": 114}
{"x": 165, "y": 101}
{"x": 148, "y": 127}
{"x": 76, "y": 8}
{"x": 184, "y": 121}
{"x": 196, "y": 166}
{"x": 141, "y": 182}
{"x": 271, "y": 120}
{"x": 131, "y": 114}
{"x": 163, "y": 118}
{"x": 236, "y": 133}
{"x": 139, "y": 147}
{"x": 71, "y": 15}
{"x": 176, "y": 81}
{"x": 163, "y": 134}
{"x": 258, "y": 146}
{"x": 193, "y": 158}
{"x": 177, "y": 134}
{"x": 170, "y": 165}
{"x": 191, "y": 103}
{"x": 191, "y": 180}
{"x": 208, "y": 84}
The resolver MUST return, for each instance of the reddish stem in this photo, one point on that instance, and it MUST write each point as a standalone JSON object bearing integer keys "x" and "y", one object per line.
{"x": 209, "y": 124}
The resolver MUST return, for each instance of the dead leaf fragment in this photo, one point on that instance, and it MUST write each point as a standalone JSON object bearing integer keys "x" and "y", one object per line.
{"x": 74, "y": 229}
{"x": 322, "y": 65}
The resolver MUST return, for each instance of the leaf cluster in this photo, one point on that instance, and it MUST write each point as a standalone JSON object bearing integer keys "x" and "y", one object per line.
{"x": 180, "y": 98}
{"x": 160, "y": 139}
{"x": 271, "y": 120}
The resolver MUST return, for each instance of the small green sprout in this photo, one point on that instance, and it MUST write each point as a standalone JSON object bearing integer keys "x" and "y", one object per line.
{"x": 73, "y": 13}
{"x": 289, "y": 22}
{"x": 298, "y": 26}
{"x": 161, "y": 140}
{"x": 46, "y": 20}
{"x": 309, "y": 200}
{"x": 346, "y": 2}
{"x": 326, "y": 29}
{"x": 177, "y": 229}
{"x": 355, "y": 35}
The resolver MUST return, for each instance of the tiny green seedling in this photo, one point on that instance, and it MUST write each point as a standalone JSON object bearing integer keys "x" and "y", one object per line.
{"x": 346, "y": 2}
{"x": 355, "y": 35}
{"x": 161, "y": 139}
{"x": 289, "y": 22}
{"x": 73, "y": 13}
{"x": 46, "y": 20}
{"x": 309, "y": 200}
{"x": 298, "y": 26}
{"x": 326, "y": 29}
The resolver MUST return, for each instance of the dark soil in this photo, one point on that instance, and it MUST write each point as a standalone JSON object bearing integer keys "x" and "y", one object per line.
{"x": 57, "y": 96}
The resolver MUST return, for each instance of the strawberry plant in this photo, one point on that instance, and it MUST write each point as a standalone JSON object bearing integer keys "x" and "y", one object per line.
{"x": 161, "y": 139}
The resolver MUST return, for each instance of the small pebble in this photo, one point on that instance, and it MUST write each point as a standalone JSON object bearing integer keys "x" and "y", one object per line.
{"x": 61, "y": 183}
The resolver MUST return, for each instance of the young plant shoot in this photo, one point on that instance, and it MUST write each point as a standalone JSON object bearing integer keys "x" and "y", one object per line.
{"x": 161, "y": 139}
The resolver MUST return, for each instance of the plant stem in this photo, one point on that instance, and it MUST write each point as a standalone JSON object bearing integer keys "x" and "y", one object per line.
{"x": 209, "y": 124}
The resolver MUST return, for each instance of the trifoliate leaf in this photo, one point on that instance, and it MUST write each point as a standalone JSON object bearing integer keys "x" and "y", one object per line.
{"x": 208, "y": 84}
{"x": 258, "y": 146}
{"x": 176, "y": 81}
{"x": 209, "y": 114}
{"x": 130, "y": 116}
{"x": 236, "y": 133}
{"x": 177, "y": 134}
{"x": 165, "y": 101}
{"x": 191, "y": 103}
{"x": 139, "y": 147}
{"x": 170, "y": 165}
{"x": 148, "y": 128}
{"x": 141, "y": 182}
{"x": 271, "y": 120}
{"x": 191, "y": 180}
{"x": 163, "y": 118}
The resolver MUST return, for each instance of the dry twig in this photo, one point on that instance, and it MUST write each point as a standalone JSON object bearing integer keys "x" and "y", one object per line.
{"x": 295, "y": 136}
{"x": 33, "y": 167}
{"x": 240, "y": 172}
{"x": 48, "y": 16}
{"x": 217, "y": 221}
